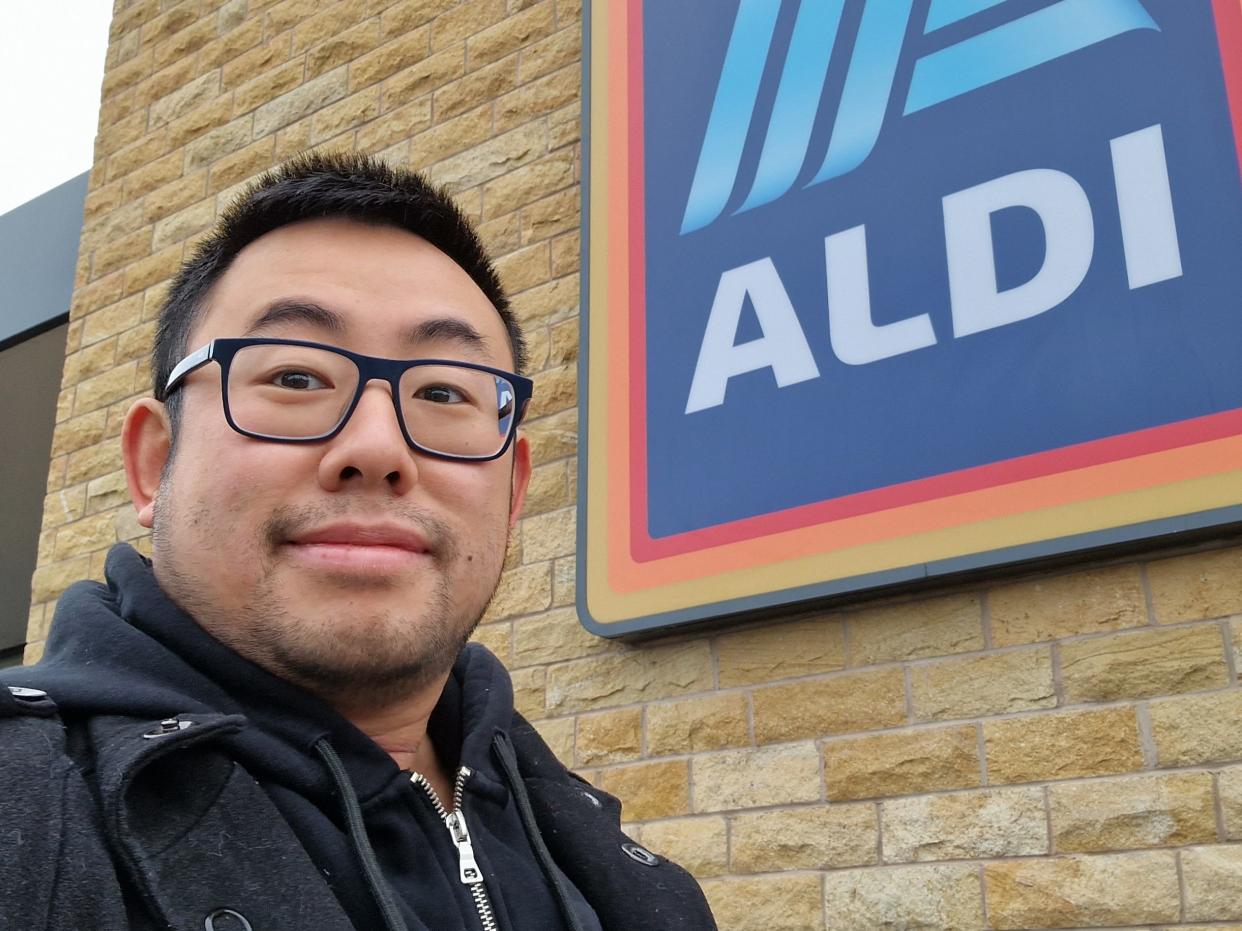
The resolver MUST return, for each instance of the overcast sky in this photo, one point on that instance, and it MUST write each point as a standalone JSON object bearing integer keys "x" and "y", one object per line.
{"x": 51, "y": 68}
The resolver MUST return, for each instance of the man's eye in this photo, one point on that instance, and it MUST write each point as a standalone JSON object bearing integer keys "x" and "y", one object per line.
{"x": 299, "y": 381}
{"x": 440, "y": 394}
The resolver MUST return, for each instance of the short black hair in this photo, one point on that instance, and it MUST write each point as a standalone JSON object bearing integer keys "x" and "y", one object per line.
{"x": 322, "y": 186}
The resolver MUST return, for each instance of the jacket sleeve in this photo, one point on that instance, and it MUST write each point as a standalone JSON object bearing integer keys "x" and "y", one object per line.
{"x": 55, "y": 870}
{"x": 628, "y": 886}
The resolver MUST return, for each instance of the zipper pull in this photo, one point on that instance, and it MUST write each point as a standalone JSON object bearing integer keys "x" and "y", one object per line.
{"x": 468, "y": 866}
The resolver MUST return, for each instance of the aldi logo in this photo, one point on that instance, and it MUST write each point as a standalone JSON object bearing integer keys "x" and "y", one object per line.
{"x": 878, "y": 290}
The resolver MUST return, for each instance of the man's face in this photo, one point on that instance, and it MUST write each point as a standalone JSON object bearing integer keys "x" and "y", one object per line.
{"x": 355, "y": 564}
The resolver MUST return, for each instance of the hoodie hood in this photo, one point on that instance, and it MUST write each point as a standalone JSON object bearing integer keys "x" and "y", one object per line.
{"x": 125, "y": 648}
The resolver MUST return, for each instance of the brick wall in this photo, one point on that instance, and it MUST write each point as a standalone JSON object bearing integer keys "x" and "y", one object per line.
{"x": 1060, "y": 751}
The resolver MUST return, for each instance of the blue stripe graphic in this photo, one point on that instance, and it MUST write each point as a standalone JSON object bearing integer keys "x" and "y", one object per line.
{"x": 729, "y": 122}
{"x": 944, "y": 12}
{"x": 1026, "y": 42}
{"x": 868, "y": 84}
{"x": 797, "y": 101}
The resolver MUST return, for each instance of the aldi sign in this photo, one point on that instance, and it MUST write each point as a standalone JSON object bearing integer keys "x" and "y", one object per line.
{"x": 878, "y": 290}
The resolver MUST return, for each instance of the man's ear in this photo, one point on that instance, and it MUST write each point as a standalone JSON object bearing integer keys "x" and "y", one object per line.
{"x": 145, "y": 442}
{"x": 521, "y": 476}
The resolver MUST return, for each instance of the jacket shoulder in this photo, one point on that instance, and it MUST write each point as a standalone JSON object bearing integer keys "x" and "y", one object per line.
{"x": 49, "y": 819}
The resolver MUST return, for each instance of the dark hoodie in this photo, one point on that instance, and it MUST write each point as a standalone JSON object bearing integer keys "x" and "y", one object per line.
{"x": 125, "y": 649}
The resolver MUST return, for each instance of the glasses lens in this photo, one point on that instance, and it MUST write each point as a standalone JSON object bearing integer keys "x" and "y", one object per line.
{"x": 455, "y": 410}
{"x": 290, "y": 392}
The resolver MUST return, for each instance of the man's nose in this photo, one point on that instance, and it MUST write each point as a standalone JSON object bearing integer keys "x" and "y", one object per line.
{"x": 371, "y": 449}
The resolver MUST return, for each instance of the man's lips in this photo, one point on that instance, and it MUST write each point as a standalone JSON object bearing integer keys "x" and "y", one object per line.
{"x": 359, "y": 547}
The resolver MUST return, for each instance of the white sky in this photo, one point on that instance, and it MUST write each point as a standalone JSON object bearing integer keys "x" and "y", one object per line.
{"x": 51, "y": 68}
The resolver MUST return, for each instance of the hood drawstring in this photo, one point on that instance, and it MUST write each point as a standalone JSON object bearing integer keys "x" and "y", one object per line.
{"x": 358, "y": 835}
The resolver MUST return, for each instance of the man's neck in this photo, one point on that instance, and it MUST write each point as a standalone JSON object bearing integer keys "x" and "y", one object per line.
{"x": 400, "y": 729}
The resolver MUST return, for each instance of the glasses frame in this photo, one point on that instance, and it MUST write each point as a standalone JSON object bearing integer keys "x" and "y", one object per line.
{"x": 370, "y": 368}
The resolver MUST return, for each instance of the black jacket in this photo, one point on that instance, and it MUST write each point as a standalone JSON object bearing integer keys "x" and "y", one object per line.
{"x": 166, "y": 779}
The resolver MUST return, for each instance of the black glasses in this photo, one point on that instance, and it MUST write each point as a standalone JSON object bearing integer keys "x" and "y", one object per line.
{"x": 292, "y": 391}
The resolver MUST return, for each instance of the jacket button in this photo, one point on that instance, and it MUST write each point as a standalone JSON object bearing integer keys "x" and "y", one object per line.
{"x": 640, "y": 855}
{"x": 27, "y": 694}
{"x": 166, "y": 727}
{"x": 225, "y": 919}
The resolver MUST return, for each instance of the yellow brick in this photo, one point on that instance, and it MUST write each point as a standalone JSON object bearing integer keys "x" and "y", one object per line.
{"x": 748, "y": 778}
{"x": 694, "y": 725}
{"x": 820, "y": 837}
{"x": 127, "y": 74}
{"x": 511, "y": 34}
{"x": 698, "y": 844}
{"x": 96, "y": 295}
{"x": 1201, "y": 585}
{"x": 795, "y": 648}
{"x": 1121, "y": 814}
{"x": 88, "y": 535}
{"x": 558, "y": 734}
{"x": 553, "y": 437}
{"x": 184, "y": 224}
{"x": 161, "y": 84}
{"x": 111, "y": 320}
{"x": 521, "y": 591}
{"x": 982, "y": 685}
{"x": 965, "y": 825}
{"x": 490, "y": 159}
{"x": 114, "y": 136}
{"x": 1081, "y": 603}
{"x": 933, "y": 627}
{"x": 562, "y": 47}
{"x": 97, "y": 392}
{"x": 565, "y": 255}
{"x": 146, "y": 272}
{"x": 538, "y": 98}
{"x": 563, "y": 336}
{"x": 94, "y": 359}
{"x": 496, "y": 637}
{"x": 267, "y": 86}
{"x": 184, "y": 43}
{"x": 529, "y": 691}
{"x": 61, "y": 507}
{"x": 106, "y": 493}
{"x": 184, "y": 99}
{"x": 218, "y": 143}
{"x": 649, "y": 673}
{"x": 240, "y": 38}
{"x": 50, "y": 580}
{"x": 546, "y": 536}
{"x": 902, "y": 763}
{"x": 329, "y": 23}
{"x": 933, "y": 896}
{"x": 424, "y": 76}
{"x": 242, "y": 164}
{"x": 154, "y": 174}
{"x": 445, "y": 139}
{"x": 78, "y": 433}
{"x": 549, "y": 489}
{"x": 862, "y": 701}
{"x": 390, "y": 58}
{"x": 551, "y": 216}
{"x": 257, "y": 61}
{"x": 92, "y": 462}
{"x": 1213, "y": 878}
{"x": 552, "y": 637}
{"x": 349, "y": 113}
{"x": 172, "y": 197}
{"x": 549, "y": 303}
{"x": 1229, "y": 785}
{"x": 407, "y": 15}
{"x": 166, "y": 24}
{"x": 122, "y": 252}
{"x": 199, "y": 121}
{"x": 649, "y": 790}
{"x": 1075, "y": 892}
{"x": 453, "y": 26}
{"x": 468, "y": 92}
{"x": 1143, "y": 664}
{"x": 1197, "y": 729}
{"x": 609, "y": 737}
{"x": 395, "y": 125}
{"x": 1062, "y": 745}
{"x": 766, "y": 903}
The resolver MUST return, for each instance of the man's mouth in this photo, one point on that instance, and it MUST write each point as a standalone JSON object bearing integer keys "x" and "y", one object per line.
{"x": 357, "y": 547}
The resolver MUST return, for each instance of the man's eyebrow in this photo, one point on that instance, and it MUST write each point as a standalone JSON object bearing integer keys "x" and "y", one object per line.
{"x": 297, "y": 311}
{"x": 449, "y": 329}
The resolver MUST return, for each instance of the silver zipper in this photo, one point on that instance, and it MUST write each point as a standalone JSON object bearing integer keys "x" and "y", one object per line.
{"x": 455, "y": 821}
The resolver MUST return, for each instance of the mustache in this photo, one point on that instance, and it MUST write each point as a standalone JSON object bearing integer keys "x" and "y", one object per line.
{"x": 290, "y": 521}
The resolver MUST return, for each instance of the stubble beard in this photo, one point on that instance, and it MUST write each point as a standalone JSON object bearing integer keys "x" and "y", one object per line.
{"x": 365, "y": 661}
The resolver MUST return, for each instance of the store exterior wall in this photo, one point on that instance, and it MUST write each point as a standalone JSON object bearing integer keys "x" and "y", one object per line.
{"x": 1059, "y": 749}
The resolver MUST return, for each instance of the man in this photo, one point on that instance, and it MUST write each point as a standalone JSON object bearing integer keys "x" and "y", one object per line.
{"x": 275, "y": 723}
